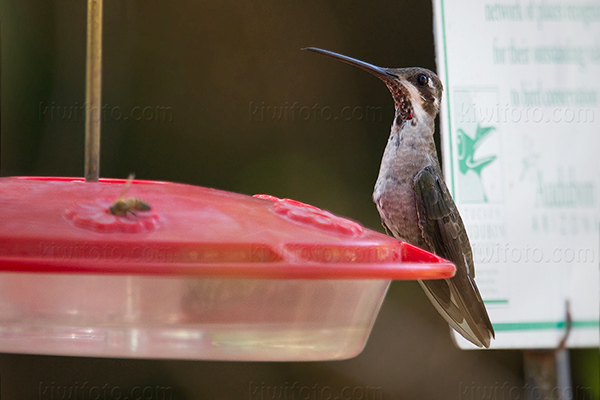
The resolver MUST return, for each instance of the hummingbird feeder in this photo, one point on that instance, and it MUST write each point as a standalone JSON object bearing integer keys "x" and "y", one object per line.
{"x": 197, "y": 274}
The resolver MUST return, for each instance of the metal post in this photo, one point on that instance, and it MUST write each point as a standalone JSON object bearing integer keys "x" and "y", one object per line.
{"x": 548, "y": 372}
{"x": 93, "y": 90}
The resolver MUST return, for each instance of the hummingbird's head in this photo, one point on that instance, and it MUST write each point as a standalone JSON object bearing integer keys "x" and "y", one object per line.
{"x": 423, "y": 86}
{"x": 417, "y": 92}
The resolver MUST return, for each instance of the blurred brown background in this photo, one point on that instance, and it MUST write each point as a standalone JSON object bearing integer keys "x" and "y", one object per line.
{"x": 219, "y": 94}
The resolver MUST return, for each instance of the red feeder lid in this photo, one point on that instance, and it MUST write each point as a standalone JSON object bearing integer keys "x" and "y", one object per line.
{"x": 51, "y": 225}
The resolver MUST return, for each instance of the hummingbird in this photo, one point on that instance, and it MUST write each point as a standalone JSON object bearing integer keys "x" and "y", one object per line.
{"x": 414, "y": 202}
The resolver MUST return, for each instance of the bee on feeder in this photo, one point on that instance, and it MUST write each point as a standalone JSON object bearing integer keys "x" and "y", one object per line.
{"x": 130, "y": 205}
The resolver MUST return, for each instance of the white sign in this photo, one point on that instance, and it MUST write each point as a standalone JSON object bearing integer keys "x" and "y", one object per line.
{"x": 520, "y": 126}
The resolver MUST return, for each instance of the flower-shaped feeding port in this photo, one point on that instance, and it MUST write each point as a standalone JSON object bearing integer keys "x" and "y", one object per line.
{"x": 306, "y": 214}
{"x": 97, "y": 216}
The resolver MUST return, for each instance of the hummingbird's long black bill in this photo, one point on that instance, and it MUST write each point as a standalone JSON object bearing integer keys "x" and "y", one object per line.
{"x": 381, "y": 73}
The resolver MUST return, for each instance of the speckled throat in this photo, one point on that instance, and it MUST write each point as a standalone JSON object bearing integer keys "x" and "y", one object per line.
{"x": 404, "y": 108}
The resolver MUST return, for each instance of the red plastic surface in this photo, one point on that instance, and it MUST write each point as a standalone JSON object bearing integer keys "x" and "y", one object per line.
{"x": 53, "y": 225}
{"x": 311, "y": 215}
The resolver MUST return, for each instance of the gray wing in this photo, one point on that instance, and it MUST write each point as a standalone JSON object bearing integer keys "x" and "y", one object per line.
{"x": 457, "y": 299}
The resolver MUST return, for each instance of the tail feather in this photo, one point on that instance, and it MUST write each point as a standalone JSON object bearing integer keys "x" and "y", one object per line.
{"x": 462, "y": 309}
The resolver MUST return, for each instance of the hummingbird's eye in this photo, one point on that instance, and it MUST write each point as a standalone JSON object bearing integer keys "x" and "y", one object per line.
{"x": 422, "y": 79}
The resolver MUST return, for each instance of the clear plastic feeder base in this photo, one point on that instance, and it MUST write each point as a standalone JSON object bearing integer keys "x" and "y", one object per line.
{"x": 187, "y": 318}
